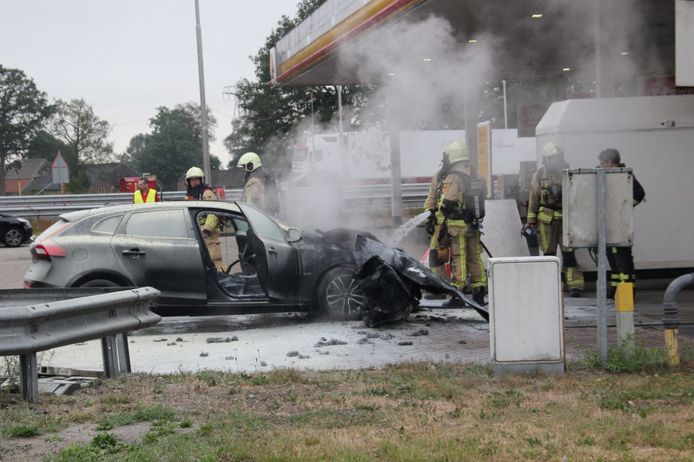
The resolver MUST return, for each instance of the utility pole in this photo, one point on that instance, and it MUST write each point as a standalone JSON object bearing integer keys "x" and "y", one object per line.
{"x": 203, "y": 105}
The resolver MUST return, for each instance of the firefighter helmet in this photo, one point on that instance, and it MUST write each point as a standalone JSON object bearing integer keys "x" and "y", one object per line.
{"x": 456, "y": 152}
{"x": 551, "y": 149}
{"x": 250, "y": 160}
{"x": 194, "y": 172}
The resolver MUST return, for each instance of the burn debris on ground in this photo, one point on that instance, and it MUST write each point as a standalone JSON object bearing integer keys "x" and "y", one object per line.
{"x": 222, "y": 339}
{"x": 405, "y": 343}
{"x": 160, "y": 340}
{"x": 293, "y": 354}
{"x": 419, "y": 333}
{"x": 364, "y": 341}
{"x": 393, "y": 282}
{"x": 332, "y": 342}
{"x": 204, "y": 354}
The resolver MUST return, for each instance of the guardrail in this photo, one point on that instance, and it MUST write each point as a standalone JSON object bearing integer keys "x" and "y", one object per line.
{"x": 369, "y": 198}
{"x": 41, "y": 319}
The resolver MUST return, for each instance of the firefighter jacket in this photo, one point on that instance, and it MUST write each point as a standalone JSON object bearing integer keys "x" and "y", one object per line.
{"x": 451, "y": 203}
{"x": 434, "y": 192}
{"x": 254, "y": 190}
{"x": 210, "y": 222}
{"x": 545, "y": 201}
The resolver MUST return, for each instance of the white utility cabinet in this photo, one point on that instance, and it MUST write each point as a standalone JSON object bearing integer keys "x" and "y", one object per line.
{"x": 526, "y": 324}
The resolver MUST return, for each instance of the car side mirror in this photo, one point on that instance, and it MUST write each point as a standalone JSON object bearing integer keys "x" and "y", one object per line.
{"x": 294, "y": 235}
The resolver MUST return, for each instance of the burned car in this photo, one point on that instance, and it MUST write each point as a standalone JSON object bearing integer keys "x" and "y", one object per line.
{"x": 268, "y": 267}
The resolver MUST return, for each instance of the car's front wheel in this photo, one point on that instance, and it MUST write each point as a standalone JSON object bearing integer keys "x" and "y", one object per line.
{"x": 13, "y": 237}
{"x": 339, "y": 295}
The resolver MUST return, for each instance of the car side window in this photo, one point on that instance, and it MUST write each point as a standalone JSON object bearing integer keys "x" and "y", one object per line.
{"x": 263, "y": 226}
{"x": 159, "y": 223}
{"x": 107, "y": 225}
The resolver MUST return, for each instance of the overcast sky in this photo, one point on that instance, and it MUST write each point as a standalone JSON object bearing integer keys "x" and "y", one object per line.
{"x": 127, "y": 57}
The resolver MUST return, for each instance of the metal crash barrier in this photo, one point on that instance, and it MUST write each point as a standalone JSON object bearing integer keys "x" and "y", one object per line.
{"x": 369, "y": 198}
{"x": 41, "y": 319}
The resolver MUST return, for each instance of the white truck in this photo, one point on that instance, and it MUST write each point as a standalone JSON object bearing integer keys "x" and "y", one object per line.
{"x": 655, "y": 136}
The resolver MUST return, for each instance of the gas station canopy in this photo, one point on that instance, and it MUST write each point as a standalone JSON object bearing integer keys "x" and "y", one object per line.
{"x": 532, "y": 38}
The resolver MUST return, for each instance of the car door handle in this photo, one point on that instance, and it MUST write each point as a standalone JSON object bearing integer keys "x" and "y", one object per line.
{"x": 133, "y": 253}
{"x": 272, "y": 250}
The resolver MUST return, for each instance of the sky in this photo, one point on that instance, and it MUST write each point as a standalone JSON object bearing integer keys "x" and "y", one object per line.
{"x": 128, "y": 57}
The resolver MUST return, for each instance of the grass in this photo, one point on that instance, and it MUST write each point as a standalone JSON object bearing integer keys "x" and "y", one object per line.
{"x": 410, "y": 412}
{"x": 638, "y": 358}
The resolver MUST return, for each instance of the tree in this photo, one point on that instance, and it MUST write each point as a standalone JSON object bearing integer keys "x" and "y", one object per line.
{"x": 174, "y": 145}
{"x": 46, "y": 146}
{"x": 23, "y": 111}
{"x": 270, "y": 114}
{"x": 75, "y": 124}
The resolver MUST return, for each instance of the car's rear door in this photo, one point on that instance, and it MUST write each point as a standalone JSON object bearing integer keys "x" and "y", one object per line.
{"x": 276, "y": 260}
{"x": 158, "y": 248}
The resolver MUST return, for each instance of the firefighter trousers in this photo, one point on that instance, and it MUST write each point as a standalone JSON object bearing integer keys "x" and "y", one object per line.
{"x": 438, "y": 254}
{"x": 465, "y": 244}
{"x": 550, "y": 238}
{"x": 215, "y": 250}
{"x": 621, "y": 265}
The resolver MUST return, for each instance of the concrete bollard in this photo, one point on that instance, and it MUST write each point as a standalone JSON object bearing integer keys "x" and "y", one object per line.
{"x": 624, "y": 306}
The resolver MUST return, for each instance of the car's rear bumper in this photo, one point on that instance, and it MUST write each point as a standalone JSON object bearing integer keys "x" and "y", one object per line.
{"x": 29, "y": 284}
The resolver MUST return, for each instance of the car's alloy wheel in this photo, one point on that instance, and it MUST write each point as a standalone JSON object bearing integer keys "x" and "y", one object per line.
{"x": 343, "y": 298}
{"x": 13, "y": 238}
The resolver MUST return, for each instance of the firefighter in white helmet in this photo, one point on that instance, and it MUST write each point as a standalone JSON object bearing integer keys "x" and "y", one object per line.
{"x": 259, "y": 189}
{"x": 254, "y": 181}
{"x": 545, "y": 214}
{"x": 461, "y": 208}
{"x": 209, "y": 223}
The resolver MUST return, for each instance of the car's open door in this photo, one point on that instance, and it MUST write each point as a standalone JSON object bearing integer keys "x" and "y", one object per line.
{"x": 276, "y": 260}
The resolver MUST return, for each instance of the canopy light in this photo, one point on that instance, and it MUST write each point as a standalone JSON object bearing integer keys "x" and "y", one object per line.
{"x": 536, "y": 15}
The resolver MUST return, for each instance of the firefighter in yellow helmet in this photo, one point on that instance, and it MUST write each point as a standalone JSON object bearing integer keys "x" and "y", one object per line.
{"x": 461, "y": 205}
{"x": 209, "y": 224}
{"x": 438, "y": 254}
{"x": 545, "y": 214}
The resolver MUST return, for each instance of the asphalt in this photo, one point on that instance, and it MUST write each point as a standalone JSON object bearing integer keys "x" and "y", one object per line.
{"x": 265, "y": 342}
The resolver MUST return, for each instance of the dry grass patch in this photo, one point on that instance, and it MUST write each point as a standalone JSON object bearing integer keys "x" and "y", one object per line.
{"x": 407, "y": 412}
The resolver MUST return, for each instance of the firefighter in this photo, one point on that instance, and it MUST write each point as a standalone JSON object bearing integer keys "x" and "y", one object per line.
{"x": 620, "y": 258}
{"x": 143, "y": 194}
{"x": 209, "y": 223}
{"x": 438, "y": 254}
{"x": 545, "y": 214}
{"x": 461, "y": 205}
{"x": 254, "y": 180}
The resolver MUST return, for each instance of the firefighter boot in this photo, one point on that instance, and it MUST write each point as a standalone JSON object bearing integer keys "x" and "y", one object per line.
{"x": 478, "y": 295}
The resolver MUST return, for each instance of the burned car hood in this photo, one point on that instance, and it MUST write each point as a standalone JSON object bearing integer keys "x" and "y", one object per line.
{"x": 393, "y": 281}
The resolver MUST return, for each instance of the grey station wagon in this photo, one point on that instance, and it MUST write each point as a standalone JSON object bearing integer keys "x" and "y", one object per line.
{"x": 269, "y": 267}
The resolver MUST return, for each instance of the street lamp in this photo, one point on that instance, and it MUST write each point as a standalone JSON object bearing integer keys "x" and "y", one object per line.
{"x": 203, "y": 105}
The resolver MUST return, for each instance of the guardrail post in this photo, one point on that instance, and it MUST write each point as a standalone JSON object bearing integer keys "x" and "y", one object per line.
{"x": 29, "y": 377}
{"x": 123, "y": 353}
{"x": 109, "y": 351}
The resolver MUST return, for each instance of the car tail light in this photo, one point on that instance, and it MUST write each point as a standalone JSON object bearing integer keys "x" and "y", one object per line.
{"x": 45, "y": 246}
{"x": 28, "y": 284}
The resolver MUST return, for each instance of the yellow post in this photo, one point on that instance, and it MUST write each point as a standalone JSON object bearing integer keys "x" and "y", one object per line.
{"x": 671, "y": 347}
{"x": 624, "y": 305}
